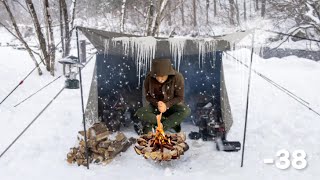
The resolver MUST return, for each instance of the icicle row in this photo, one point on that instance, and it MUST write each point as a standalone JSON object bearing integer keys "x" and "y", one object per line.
{"x": 177, "y": 50}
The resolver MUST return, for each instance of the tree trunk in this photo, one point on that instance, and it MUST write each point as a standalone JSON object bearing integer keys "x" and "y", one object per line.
{"x": 245, "y": 10}
{"x": 194, "y": 13}
{"x": 19, "y": 35}
{"x": 61, "y": 28}
{"x": 182, "y": 13}
{"x": 157, "y": 19}
{"x": 50, "y": 40}
{"x": 150, "y": 18}
{"x": 169, "y": 14}
{"x": 232, "y": 12}
{"x": 39, "y": 33}
{"x": 68, "y": 32}
{"x": 257, "y": 5}
{"x": 237, "y": 12}
{"x": 123, "y": 11}
{"x": 207, "y": 11}
{"x": 215, "y": 7}
{"x": 66, "y": 27}
{"x": 73, "y": 16}
{"x": 263, "y": 8}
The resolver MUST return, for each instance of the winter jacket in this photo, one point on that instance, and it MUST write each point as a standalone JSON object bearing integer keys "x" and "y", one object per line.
{"x": 172, "y": 89}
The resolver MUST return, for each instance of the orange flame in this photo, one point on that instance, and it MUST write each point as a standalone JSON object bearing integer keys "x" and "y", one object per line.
{"x": 160, "y": 136}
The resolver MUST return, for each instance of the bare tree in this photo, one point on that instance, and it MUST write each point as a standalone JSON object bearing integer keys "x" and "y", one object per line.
{"x": 237, "y": 12}
{"x": 150, "y": 17}
{"x": 19, "y": 35}
{"x": 215, "y": 7}
{"x": 155, "y": 18}
{"x": 244, "y": 11}
{"x": 73, "y": 16}
{"x": 207, "y": 11}
{"x": 232, "y": 12}
{"x": 257, "y": 5}
{"x": 61, "y": 28}
{"x": 39, "y": 33}
{"x": 123, "y": 11}
{"x": 50, "y": 40}
{"x": 169, "y": 13}
{"x": 263, "y": 8}
{"x": 182, "y": 13}
{"x": 66, "y": 27}
{"x": 194, "y": 7}
{"x": 159, "y": 16}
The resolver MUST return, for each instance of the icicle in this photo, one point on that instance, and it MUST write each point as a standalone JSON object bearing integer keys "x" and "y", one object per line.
{"x": 211, "y": 47}
{"x": 177, "y": 50}
{"x": 106, "y": 47}
{"x": 142, "y": 49}
{"x": 202, "y": 49}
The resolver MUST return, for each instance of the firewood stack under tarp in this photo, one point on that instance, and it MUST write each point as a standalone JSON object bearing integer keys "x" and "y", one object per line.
{"x": 160, "y": 146}
{"x": 101, "y": 149}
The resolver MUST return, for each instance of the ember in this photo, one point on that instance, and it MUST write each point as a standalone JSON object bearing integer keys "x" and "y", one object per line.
{"x": 160, "y": 146}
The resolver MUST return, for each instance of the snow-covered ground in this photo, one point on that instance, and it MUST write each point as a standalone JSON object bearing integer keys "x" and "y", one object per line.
{"x": 275, "y": 122}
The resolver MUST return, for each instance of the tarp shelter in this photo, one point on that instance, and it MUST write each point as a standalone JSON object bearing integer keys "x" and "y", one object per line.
{"x": 123, "y": 60}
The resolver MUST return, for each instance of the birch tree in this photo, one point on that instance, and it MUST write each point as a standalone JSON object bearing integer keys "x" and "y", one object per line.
{"x": 150, "y": 17}
{"x": 66, "y": 27}
{"x": 123, "y": 11}
{"x": 182, "y": 13}
{"x": 61, "y": 28}
{"x": 18, "y": 35}
{"x": 155, "y": 18}
{"x": 194, "y": 8}
{"x": 39, "y": 34}
{"x": 215, "y": 7}
{"x": 50, "y": 39}
{"x": 207, "y": 11}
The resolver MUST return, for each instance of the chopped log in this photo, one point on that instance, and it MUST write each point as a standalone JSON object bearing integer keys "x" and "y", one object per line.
{"x": 104, "y": 144}
{"x": 101, "y": 149}
{"x": 102, "y": 136}
{"x": 120, "y": 136}
{"x": 137, "y": 151}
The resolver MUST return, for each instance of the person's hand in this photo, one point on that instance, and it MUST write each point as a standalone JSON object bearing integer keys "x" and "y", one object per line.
{"x": 162, "y": 107}
{"x": 159, "y": 121}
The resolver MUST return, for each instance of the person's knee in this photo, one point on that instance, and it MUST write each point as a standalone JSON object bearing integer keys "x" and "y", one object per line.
{"x": 186, "y": 111}
{"x": 139, "y": 113}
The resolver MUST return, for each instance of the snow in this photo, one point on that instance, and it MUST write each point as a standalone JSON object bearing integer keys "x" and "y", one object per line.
{"x": 275, "y": 122}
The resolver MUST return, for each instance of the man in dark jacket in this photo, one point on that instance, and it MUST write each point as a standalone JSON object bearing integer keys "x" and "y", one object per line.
{"x": 164, "y": 89}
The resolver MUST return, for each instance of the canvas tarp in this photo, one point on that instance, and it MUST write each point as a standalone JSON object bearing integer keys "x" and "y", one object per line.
{"x": 200, "y": 65}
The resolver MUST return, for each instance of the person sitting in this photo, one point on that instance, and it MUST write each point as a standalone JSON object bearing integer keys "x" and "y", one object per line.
{"x": 164, "y": 89}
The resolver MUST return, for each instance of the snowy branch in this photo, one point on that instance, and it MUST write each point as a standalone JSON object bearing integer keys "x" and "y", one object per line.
{"x": 310, "y": 14}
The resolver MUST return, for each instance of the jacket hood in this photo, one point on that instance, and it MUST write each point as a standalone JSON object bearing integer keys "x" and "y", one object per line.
{"x": 162, "y": 67}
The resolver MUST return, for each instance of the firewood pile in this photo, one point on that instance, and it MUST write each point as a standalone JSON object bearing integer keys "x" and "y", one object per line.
{"x": 171, "y": 147}
{"x": 101, "y": 149}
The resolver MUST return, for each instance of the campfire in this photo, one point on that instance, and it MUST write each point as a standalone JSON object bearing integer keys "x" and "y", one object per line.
{"x": 101, "y": 148}
{"x": 160, "y": 146}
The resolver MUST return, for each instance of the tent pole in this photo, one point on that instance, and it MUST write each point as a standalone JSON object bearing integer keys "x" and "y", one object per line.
{"x": 247, "y": 103}
{"x": 83, "y": 114}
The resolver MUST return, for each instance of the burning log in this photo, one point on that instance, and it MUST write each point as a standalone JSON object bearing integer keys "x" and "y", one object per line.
{"x": 101, "y": 149}
{"x": 160, "y": 146}
{"x": 173, "y": 148}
